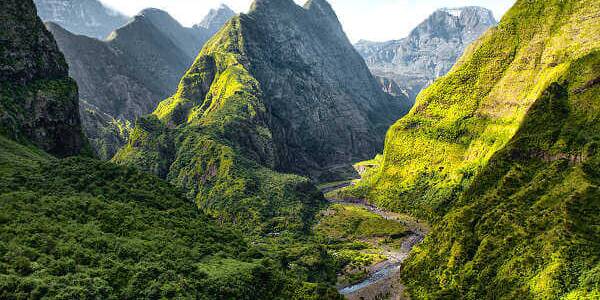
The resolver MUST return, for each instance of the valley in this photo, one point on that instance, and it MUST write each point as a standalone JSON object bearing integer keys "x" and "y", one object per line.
{"x": 263, "y": 155}
{"x": 380, "y": 279}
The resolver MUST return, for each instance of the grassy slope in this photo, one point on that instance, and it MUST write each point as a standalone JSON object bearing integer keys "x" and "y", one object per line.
{"x": 211, "y": 139}
{"x": 528, "y": 226}
{"x": 433, "y": 154}
{"x": 79, "y": 228}
{"x": 502, "y": 155}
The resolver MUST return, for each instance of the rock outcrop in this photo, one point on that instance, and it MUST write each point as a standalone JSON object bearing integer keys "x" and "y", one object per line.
{"x": 39, "y": 101}
{"x": 86, "y": 17}
{"x": 279, "y": 89}
{"x": 318, "y": 106}
{"x": 127, "y": 75}
{"x": 430, "y": 50}
{"x": 324, "y": 107}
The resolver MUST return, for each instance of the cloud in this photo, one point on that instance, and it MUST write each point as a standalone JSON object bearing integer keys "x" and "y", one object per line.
{"x": 377, "y": 20}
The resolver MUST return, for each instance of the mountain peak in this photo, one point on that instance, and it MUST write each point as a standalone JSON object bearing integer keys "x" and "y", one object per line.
{"x": 267, "y": 5}
{"x": 215, "y": 19}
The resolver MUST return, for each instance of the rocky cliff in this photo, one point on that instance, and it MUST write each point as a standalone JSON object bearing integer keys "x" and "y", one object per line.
{"x": 140, "y": 64}
{"x": 277, "y": 89}
{"x": 214, "y": 21}
{"x": 502, "y": 156}
{"x": 430, "y": 50}
{"x": 39, "y": 100}
{"x": 325, "y": 108}
{"x": 86, "y": 17}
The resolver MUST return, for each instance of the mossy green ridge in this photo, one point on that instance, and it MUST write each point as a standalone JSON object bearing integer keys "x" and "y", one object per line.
{"x": 502, "y": 156}
{"x": 433, "y": 154}
{"x": 211, "y": 139}
{"x": 38, "y": 100}
{"x": 527, "y": 228}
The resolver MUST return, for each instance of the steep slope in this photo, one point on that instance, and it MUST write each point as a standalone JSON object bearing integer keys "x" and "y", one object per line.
{"x": 501, "y": 154}
{"x": 139, "y": 65}
{"x": 325, "y": 107}
{"x": 77, "y": 228}
{"x": 529, "y": 223}
{"x": 222, "y": 135}
{"x": 38, "y": 99}
{"x": 86, "y": 17}
{"x": 430, "y": 50}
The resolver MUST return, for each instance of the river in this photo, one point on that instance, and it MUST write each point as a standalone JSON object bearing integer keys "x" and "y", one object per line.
{"x": 383, "y": 280}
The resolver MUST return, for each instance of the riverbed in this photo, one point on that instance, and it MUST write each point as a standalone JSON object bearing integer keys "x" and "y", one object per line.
{"x": 383, "y": 281}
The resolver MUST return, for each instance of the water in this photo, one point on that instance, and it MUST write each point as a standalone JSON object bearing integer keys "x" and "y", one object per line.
{"x": 388, "y": 270}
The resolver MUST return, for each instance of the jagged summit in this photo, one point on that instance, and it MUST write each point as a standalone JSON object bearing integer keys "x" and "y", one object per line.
{"x": 430, "y": 50}
{"x": 315, "y": 106}
{"x": 216, "y": 18}
{"x": 86, "y": 17}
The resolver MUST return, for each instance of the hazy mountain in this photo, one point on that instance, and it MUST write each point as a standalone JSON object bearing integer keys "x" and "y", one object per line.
{"x": 86, "y": 17}
{"x": 127, "y": 75}
{"x": 430, "y": 50}
{"x": 214, "y": 20}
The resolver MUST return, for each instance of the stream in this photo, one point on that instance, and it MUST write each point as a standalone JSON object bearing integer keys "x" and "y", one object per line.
{"x": 383, "y": 278}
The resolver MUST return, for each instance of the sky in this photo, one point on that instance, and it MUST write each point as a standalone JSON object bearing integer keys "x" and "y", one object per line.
{"x": 374, "y": 20}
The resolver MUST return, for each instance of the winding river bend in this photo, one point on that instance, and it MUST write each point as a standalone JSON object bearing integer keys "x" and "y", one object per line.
{"x": 383, "y": 280}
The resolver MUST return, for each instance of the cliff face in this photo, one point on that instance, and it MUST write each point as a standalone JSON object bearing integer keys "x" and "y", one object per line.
{"x": 278, "y": 89}
{"x": 140, "y": 64}
{"x": 430, "y": 50}
{"x": 86, "y": 17}
{"x": 324, "y": 107}
{"x": 39, "y": 100}
{"x": 502, "y": 156}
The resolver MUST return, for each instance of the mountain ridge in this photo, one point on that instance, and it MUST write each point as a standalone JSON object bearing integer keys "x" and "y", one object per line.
{"x": 430, "y": 50}
{"x": 86, "y": 17}
{"x": 140, "y": 64}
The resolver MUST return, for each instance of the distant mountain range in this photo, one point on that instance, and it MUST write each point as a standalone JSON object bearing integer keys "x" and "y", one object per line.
{"x": 430, "y": 50}
{"x": 138, "y": 65}
{"x": 86, "y": 17}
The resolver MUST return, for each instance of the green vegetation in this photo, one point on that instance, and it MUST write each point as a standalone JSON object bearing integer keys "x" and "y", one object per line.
{"x": 356, "y": 239}
{"x": 528, "y": 226}
{"x": 433, "y": 154}
{"x": 502, "y": 156}
{"x": 212, "y": 140}
{"x": 80, "y": 228}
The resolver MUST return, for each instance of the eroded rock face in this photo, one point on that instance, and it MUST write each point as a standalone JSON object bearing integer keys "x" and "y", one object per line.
{"x": 38, "y": 100}
{"x": 86, "y": 17}
{"x": 325, "y": 107}
{"x": 430, "y": 50}
{"x": 127, "y": 75}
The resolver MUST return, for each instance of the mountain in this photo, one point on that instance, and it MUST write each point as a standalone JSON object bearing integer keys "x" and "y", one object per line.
{"x": 430, "y": 50}
{"x": 39, "y": 100}
{"x": 277, "y": 89}
{"x": 78, "y": 228}
{"x": 139, "y": 64}
{"x": 86, "y": 17}
{"x": 502, "y": 156}
{"x": 214, "y": 20}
